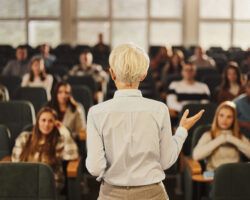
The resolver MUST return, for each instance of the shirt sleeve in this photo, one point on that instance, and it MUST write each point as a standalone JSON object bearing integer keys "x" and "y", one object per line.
{"x": 96, "y": 161}
{"x": 242, "y": 144}
{"x": 25, "y": 81}
{"x": 7, "y": 69}
{"x": 48, "y": 82}
{"x": 206, "y": 145}
{"x": 70, "y": 150}
{"x": 19, "y": 146}
{"x": 80, "y": 121}
{"x": 170, "y": 145}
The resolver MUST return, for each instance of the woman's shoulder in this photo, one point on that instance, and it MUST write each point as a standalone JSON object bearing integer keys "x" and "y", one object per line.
{"x": 26, "y": 76}
{"x": 206, "y": 135}
{"x": 49, "y": 77}
{"x": 23, "y": 136}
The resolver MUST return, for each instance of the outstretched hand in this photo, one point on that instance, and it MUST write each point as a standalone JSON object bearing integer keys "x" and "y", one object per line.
{"x": 187, "y": 123}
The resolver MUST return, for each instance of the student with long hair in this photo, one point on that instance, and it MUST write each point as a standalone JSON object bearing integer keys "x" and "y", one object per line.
{"x": 49, "y": 142}
{"x": 37, "y": 76}
{"x": 231, "y": 86}
{"x": 70, "y": 113}
{"x": 223, "y": 143}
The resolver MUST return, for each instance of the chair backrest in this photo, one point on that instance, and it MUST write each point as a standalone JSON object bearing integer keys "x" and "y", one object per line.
{"x": 26, "y": 181}
{"x": 16, "y": 115}
{"x": 4, "y": 141}
{"x": 11, "y": 82}
{"x": 36, "y": 95}
{"x": 201, "y": 72}
{"x": 170, "y": 78}
{"x": 83, "y": 95}
{"x": 212, "y": 81}
{"x": 198, "y": 132}
{"x": 4, "y": 93}
{"x": 60, "y": 71}
{"x": 206, "y": 118}
{"x": 231, "y": 182}
{"x": 87, "y": 81}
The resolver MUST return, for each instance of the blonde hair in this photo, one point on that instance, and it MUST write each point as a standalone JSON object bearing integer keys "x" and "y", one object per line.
{"x": 129, "y": 63}
{"x": 235, "y": 126}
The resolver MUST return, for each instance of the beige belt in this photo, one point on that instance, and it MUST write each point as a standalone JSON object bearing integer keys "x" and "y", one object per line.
{"x": 129, "y": 187}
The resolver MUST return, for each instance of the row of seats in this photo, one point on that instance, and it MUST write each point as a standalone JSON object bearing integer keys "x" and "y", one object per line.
{"x": 35, "y": 181}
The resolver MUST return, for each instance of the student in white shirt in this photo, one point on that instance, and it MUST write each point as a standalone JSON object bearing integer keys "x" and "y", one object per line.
{"x": 37, "y": 77}
{"x": 129, "y": 138}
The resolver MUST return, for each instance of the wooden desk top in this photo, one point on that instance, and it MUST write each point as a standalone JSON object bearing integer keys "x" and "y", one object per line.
{"x": 200, "y": 178}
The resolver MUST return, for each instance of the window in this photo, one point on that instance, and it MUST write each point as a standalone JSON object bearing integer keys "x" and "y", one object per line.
{"x": 44, "y": 31}
{"x": 88, "y": 31}
{"x": 215, "y": 34}
{"x": 127, "y": 31}
{"x": 170, "y": 33}
{"x": 44, "y": 8}
{"x": 92, "y": 8}
{"x": 130, "y": 21}
{"x": 224, "y": 23}
{"x": 12, "y": 8}
{"x": 17, "y": 30}
{"x": 166, "y": 8}
{"x": 218, "y": 9}
{"x": 129, "y": 9}
{"x": 30, "y": 21}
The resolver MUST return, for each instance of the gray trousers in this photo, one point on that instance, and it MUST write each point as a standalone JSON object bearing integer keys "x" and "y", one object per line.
{"x": 148, "y": 192}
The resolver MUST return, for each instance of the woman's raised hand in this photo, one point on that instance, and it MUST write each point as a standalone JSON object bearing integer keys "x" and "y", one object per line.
{"x": 186, "y": 122}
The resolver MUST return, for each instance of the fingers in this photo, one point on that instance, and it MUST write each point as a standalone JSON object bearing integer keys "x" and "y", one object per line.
{"x": 197, "y": 116}
{"x": 185, "y": 114}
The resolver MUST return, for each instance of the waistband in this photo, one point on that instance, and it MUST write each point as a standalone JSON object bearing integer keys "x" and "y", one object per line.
{"x": 130, "y": 187}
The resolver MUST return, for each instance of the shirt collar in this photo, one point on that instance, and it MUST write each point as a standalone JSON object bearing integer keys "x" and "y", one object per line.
{"x": 128, "y": 93}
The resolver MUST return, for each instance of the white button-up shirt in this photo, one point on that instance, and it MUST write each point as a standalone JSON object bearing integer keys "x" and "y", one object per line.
{"x": 129, "y": 140}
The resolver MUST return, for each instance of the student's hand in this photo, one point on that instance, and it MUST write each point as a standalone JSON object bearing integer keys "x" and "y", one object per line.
{"x": 58, "y": 124}
{"x": 230, "y": 138}
{"x": 222, "y": 138}
{"x": 187, "y": 123}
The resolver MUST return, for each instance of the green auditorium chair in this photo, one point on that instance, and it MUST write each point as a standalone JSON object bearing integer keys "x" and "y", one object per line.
{"x": 16, "y": 115}
{"x": 4, "y": 141}
{"x": 26, "y": 181}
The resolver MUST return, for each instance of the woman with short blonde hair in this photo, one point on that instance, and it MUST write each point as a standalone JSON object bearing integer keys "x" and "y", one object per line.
{"x": 129, "y": 138}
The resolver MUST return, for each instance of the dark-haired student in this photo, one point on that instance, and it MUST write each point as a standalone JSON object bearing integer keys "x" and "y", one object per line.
{"x": 231, "y": 86}
{"x": 70, "y": 113}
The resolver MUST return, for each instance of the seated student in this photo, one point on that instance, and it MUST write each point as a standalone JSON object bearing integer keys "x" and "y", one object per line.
{"x": 186, "y": 91}
{"x": 223, "y": 143}
{"x": 243, "y": 109}
{"x": 49, "y": 143}
{"x": 200, "y": 59}
{"x": 48, "y": 58}
{"x": 87, "y": 67}
{"x": 70, "y": 113}
{"x": 37, "y": 76}
{"x": 174, "y": 66}
{"x": 231, "y": 86}
{"x": 245, "y": 64}
{"x": 18, "y": 66}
